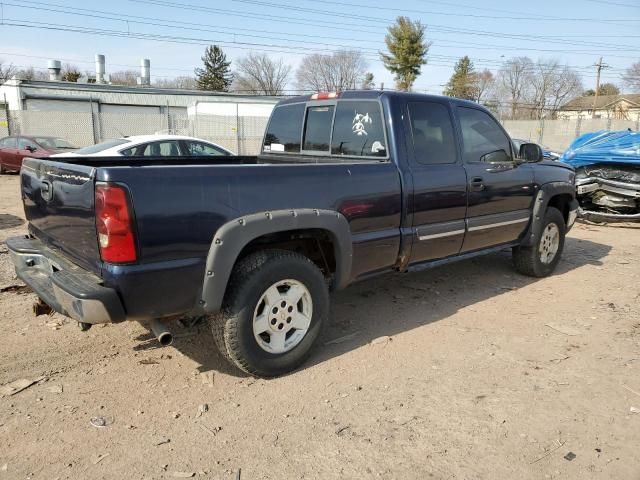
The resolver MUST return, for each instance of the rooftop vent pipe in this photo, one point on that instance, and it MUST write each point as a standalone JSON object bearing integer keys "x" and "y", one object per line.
{"x": 100, "y": 68}
{"x": 54, "y": 67}
{"x": 145, "y": 72}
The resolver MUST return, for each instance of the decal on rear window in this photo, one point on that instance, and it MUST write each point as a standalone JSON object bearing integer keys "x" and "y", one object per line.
{"x": 358, "y": 123}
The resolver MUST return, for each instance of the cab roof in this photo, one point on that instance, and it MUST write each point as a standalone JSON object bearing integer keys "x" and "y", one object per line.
{"x": 374, "y": 94}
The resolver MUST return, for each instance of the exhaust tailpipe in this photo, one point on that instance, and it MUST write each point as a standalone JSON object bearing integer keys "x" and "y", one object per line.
{"x": 162, "y": 333}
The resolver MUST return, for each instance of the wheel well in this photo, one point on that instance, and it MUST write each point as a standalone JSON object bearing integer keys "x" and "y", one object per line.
{"x": 315, "y": 244}
{"x": 562, "y": 202}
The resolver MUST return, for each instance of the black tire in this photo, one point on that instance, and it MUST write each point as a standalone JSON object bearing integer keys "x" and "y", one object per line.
{"x": 233, "y": 328}
{"x": 2, "y": 170}
{"x": 527, "y": 259}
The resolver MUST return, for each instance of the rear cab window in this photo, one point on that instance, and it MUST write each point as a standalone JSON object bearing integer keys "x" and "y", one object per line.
{"x": 340, "y": 129}
{"x": 317, "y": 130}
{"x": 358, "y": 130}
{"x": 285, "y": 129}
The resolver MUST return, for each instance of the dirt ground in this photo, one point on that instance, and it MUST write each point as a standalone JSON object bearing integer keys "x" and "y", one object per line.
{"x": 468, "y": 371}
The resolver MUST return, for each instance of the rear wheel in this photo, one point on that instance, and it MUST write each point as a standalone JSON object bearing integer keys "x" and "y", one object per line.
{"x": 541, "y": 259}
{"x": 275, "y": 308}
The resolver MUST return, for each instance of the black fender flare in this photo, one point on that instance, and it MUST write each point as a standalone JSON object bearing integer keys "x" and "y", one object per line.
{"x": 233, "y": 236}
{"x": 543, "y": 197}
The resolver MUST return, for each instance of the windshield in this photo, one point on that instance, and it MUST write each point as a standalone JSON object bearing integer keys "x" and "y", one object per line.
{"x": 52, "y": 142}
{"x": 102, "y": 146}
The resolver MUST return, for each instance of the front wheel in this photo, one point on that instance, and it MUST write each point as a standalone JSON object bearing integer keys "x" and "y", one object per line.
{"x": 541, "y": 259}
{"x": 274, "y": 310}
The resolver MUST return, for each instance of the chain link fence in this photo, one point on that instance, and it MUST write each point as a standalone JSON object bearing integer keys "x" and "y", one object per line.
{"x": 243, "y": 134}
{"x": 240, "y": 134}
{"x": 4, "y": 122}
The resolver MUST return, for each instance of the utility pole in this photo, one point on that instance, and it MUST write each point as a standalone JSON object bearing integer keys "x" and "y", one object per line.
{"x": 599, "y": 66}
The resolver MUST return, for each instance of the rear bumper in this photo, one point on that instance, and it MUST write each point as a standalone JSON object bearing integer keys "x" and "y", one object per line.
{"x": 64, "y": 286}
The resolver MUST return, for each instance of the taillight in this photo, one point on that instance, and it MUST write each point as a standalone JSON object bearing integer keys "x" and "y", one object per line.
{"x": 114, "y": 223}
{"x": 325, "y": 95}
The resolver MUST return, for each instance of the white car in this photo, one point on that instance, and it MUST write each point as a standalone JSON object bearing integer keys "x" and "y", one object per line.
{"x": 150, "y": 145}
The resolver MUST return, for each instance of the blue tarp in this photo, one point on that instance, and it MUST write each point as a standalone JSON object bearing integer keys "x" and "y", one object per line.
{"x": 604, "y": 147}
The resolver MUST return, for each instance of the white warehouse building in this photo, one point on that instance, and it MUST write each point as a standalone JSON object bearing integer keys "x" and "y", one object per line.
{"x": 87, "y": 113}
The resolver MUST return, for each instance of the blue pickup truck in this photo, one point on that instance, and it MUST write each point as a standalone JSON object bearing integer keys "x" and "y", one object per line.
{"x": 346, "y": 186}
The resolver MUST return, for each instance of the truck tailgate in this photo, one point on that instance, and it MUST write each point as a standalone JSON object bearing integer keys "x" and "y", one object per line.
{"x": 59, "y": 205}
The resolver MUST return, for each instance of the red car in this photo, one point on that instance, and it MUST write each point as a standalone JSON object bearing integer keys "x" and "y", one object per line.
{"x": 14, "y": 149}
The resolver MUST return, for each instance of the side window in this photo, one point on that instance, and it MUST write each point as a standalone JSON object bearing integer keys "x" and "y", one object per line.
{"x": 285, "y": 129}
{"x": 358, "y": 130}
{"x": 317, "y": 129}
{"x": 432, "y": 132}
{"x": 161, "y": 149}
{"x": 23, "y": 143}
{"x": 199, "y": 149}
{"x": 482, "y": 138}
{"x": 10, "y": 142}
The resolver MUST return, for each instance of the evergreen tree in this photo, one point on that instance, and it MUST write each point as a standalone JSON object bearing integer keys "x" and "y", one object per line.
{"x": 216, "y": 74}
{"x": 367, "y": 81}
{"x": 462, "y": 83}
{"x": 407, "y": 51}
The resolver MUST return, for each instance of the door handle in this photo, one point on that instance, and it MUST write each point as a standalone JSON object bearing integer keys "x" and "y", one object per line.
{"x": 476, "y": 184}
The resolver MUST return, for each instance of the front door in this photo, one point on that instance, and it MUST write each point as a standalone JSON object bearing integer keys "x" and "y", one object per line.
{"x": 500, "y": 189}
{"x": 439, "y": 198}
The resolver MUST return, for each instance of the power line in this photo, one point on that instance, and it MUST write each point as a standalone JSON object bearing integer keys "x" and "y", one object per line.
{"x": 436, "y": 61}
{"x": 333, "y": 24}
{"x": 165, "y": 23}
{"x": 200, "y": 41}
{"x": 615, "y": 3}
{"x": 119, "y": 17}
{"x": 431, "y": 12}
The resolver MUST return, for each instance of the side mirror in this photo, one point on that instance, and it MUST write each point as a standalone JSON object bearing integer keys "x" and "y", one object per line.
{"x": 497, "y": 156}
{"x": 531, "y": 152}
{"x": 31, "y": 148}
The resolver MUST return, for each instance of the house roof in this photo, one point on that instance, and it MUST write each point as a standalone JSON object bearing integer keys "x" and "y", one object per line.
{"x": 603, "y": 101}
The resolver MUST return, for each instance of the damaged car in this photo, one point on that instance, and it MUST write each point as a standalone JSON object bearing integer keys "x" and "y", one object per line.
{"x": 607, "y": 168}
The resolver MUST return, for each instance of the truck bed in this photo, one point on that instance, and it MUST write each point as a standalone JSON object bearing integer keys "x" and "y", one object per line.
{"x": 178, "y": 207}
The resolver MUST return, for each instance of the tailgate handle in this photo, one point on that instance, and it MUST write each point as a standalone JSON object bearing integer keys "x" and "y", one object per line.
{"x": 46, "y": 190}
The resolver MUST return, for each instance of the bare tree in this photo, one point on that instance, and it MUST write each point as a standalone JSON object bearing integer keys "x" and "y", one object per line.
{"x": 124, "y": 77}
{"x": 181, "y": 82}
{"x": 484, "y": 85}
{"x": 258, "y": 74}
{"x": 30, "y": 73}
{"x": 631, "y": 77}
{"x": 552, "y": 85}
{"x": 343, "y": 70}
{"x": 567, "y": 85}
{"x": 7, "y": 70}
{"x": 514, "y": 80}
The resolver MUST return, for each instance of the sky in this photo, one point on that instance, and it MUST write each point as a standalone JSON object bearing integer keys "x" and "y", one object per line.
{"x": 174, "y": 33}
